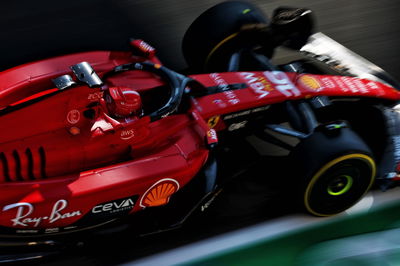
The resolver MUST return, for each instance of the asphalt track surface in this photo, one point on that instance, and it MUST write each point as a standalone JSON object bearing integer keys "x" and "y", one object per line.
{"x": 32, "y": 30}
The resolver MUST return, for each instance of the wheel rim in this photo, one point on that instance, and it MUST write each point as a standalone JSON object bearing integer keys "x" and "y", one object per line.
{"x": 339, "y": 184}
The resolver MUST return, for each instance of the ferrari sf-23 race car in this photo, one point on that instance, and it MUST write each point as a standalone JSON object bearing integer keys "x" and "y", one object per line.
{"x": 91, "y": 139}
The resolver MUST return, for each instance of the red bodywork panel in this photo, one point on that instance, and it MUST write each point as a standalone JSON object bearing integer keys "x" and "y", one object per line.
{"x": 58, "y": 165}
{"x": 62, "y": 168}
{"x": 265, "y": 88}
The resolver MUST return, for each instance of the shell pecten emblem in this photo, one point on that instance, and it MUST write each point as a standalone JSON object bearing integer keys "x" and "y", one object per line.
{"x": 159, "y": 193}
{"x": 310, "y": 83}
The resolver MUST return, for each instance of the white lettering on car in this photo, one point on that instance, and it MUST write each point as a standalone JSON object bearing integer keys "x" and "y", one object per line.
{"x": 237, "y": 126}
{"x": 24, "y": 210}
{"x": 127, "y": 134}
{"x": 328, "y": 82}
{"x": 95, "y": 96}
{"x": 282, "y": 83}
{"x": 212, "y": 134}
{"x": 257, "y": 84}
{"x": 221, "y": 83}
{"x": 114, "y": 206}
{"x": 224, "y": 87}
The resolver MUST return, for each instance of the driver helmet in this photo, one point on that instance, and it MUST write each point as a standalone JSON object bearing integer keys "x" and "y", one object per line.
{"x": 123, "y": 102}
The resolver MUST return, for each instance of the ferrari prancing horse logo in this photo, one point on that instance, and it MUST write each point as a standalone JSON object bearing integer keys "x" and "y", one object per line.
{"x": 213, "y": 121}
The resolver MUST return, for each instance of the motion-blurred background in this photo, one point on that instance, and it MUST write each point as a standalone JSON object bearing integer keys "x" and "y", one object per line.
{"x": 33, "y": 30}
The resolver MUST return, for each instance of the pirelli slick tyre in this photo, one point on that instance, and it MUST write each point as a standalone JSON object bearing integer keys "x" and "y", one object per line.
{"x": 208, "y": 42}
{"x": 335, "y": 170}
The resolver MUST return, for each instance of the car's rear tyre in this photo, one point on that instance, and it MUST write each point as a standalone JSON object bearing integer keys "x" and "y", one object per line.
{"x": 334, "y": 171}
{"x": 207, "y": 43}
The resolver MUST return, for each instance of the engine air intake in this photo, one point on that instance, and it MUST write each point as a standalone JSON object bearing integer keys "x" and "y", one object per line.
{"x": 16, "y": 165}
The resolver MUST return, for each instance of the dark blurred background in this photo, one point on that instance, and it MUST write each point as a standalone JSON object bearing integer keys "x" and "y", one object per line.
{"x": 33, "y": 30}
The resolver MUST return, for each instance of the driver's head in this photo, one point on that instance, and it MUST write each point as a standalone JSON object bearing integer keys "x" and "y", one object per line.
{"x": 123, "y": 102}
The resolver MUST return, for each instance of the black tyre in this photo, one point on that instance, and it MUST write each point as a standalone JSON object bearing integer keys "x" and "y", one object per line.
{"x": 207, "y": 43}
{"x": 335, "y": 169}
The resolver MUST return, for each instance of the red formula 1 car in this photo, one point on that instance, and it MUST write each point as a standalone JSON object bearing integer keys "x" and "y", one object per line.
{"x": 91, "y": 138}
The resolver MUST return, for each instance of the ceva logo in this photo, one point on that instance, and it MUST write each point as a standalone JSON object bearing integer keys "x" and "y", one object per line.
{"x": 114, "y": 206}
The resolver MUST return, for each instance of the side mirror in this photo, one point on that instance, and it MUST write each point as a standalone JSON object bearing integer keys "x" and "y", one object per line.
{"x": 85, "y": 73}
{"x": 292, "y": 26}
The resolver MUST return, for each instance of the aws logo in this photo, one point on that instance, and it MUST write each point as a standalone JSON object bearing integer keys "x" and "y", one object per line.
{"x": 127, "y": 134}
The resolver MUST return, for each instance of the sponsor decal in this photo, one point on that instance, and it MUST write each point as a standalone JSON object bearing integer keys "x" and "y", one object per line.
{"x": 232, "y": 98}
{"x": 107, "y": 211}
{"x": 73, "y": 116}
{"x": 95, "y": 96}
{"x": 258, "y": 84}
{"x": 246, "y": 112}
{"x": 309, "y": 82}
{"x": 396, "y": 144}
{"x": 213, "y": 121}
{"x": 210, "y": 201}
{"x": 236, "y": 126}
{"x": 24, "y": 211}
{"x": 52, "y": 230}
{"x": 339, "y": 82}
{"x": 224, "y": 88}
{"x": 196, "y": 116}
{"x": 282, "y": 83}
{"x": 145, "y": 47}
{"x": 353, "y": 85}
{"x": 27, "y": 231}
{"x": 259, "y": 109}
{"x": 222, "y": 84}
{"x": 217, "y": 89}
{"x": 159, "y": 193}
{"x": 239, "y": 114}
{"x": 328, "y": 83}
{"x": 212, "y": 135}
{"x": 197, "y": 104}
{"x": 373, "y": 85}
{"x": 220, "y": 103}
{"x": 115, "y": 206}
{"x": 127, "y": 134}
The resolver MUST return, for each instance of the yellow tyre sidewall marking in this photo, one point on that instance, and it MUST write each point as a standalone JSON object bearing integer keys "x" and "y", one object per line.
{"x": 327, "y": 167}
{"x": 218, "y": 46}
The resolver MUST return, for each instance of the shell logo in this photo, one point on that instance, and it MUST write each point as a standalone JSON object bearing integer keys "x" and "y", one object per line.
{"x": 310, "y": 83}
{"x": 159, "y": 193}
